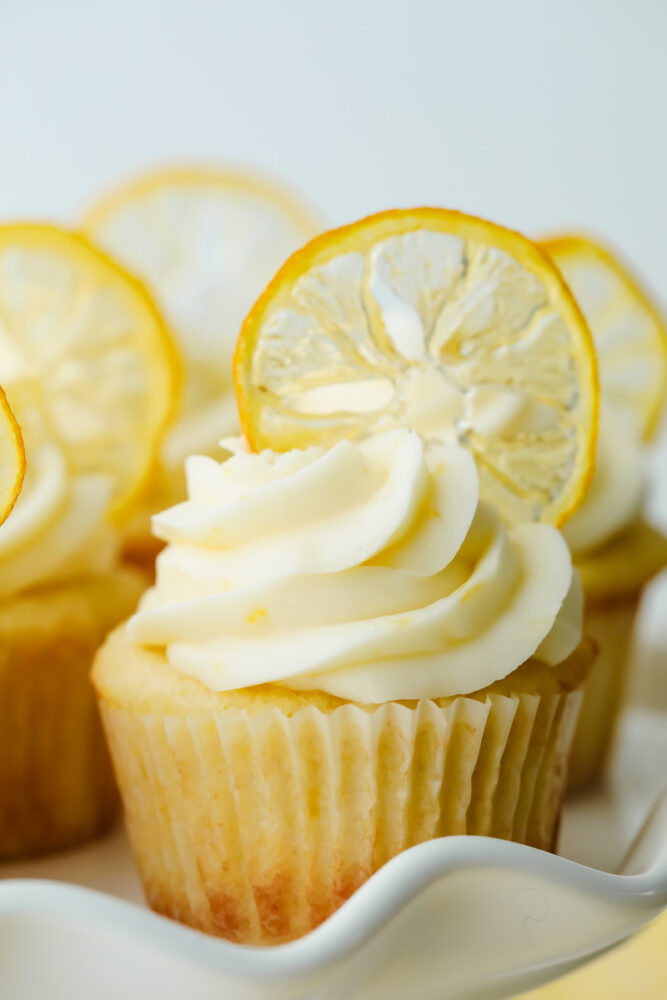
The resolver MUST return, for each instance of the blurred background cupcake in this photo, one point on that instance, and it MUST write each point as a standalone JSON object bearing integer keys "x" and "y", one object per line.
{"x": 90, "y": 374}
{"x": 206, "y": 241}
{"x": 615, "y": 548}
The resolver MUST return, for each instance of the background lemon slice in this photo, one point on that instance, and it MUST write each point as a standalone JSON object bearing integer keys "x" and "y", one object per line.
{"x": 12, "y": 458}
{"x": 435, "y": 320}
{"x": 84, "y": 355}
{"x": 206, "y": 241}
{"x": 629, "y": 333}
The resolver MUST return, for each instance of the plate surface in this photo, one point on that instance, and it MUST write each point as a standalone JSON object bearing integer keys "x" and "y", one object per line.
{"x": 459, "y": 917}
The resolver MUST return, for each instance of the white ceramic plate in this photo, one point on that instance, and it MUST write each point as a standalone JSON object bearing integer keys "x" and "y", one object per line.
{"x": 459, "y": 917}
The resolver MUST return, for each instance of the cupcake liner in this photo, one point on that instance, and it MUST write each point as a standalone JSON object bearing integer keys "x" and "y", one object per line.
{"x": 56, "y": 782}
{"x": 256, "y": 825}
{"x": 611, "y": 625}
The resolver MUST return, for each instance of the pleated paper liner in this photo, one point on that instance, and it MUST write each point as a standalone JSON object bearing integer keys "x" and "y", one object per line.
{"x": 56, "y": 782}
{"x": 254, "y": 815}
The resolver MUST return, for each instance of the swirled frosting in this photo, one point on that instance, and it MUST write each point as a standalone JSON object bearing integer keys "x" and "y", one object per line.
{"x": 370, "y": 571}
{"x": 57, "y": 529}
{"x": 614, "y": 497}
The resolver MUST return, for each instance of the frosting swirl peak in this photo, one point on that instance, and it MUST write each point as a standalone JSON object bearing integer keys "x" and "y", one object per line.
{"x": 371, "y": 571}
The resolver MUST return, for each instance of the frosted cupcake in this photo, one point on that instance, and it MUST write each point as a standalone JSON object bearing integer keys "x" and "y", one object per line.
{"x": 345, "y": 653}
{"x": 89, "y": 373}
{"x": 617, "y": 552}
{"x": 614, "y": 548}
{"x": 61, "y": 591}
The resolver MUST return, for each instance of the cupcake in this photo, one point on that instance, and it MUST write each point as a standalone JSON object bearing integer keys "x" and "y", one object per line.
{"x": 61, "y": 590}
{"x": 206, "y": 240}
{"x": 88, "y": 373}
{"x": 345, "y": 653}
{"x": 617, "y": 552}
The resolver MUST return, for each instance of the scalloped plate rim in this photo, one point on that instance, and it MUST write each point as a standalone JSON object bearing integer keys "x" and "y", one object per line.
{"x": 359, "y": 919}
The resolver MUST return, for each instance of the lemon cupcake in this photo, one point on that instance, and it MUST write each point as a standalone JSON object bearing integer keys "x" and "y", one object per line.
{"x": 206, "y": 240}
{"x": 345, "y": 653}
{"x": 616, "y": 550}
{"x": 61, "y": 591}
{"x": 88, "y": 373}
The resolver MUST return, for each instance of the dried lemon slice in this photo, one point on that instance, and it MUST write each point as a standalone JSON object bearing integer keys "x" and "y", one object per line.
{"x": 84, "y": 354}
{"x": 438, "y": 321}
{"x": 629, "y": 333}
{"x": 206, "y": 241}
{"x": 12, "y": 458}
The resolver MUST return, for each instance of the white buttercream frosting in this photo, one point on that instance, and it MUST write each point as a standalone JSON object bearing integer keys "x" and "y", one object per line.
{"x": 370, "y": 571}
{"x": 57, "y": 529}
{"x": 614, "y": 497}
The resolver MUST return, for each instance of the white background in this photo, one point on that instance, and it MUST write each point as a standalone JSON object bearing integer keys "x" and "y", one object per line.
{"x": 536, "y": 114}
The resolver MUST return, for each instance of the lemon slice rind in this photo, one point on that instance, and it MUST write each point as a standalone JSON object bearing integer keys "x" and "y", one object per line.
{"x": 629, "y": 332}
{"x": 89, "y": 358}
{"x": 386, "y": 322}
{"x": 12, "y": 458}
{"x": 206, "y": 240}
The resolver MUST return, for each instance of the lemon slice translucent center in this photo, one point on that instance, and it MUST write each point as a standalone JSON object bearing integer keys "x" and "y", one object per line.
{"x": 448, "y": 336}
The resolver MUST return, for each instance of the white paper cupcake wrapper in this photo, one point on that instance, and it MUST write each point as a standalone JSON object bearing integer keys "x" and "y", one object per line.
{"x": 257, "y": 826}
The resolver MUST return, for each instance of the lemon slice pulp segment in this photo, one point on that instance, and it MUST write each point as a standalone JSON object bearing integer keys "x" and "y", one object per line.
{"x": 84, "y": 354}
{"x": 206, "y": 240}
{"x": 629, "y": 333}
{"x": 12, "y": 458}
{"x": 438, "y": 321}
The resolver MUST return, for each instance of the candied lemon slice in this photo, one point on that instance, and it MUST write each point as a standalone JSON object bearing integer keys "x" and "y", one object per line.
{"x": 84, "y": 354}
{"x": 12, "y": 458}
{"x": 438, "y": 321}
{"x": 206, "y": 241}
{"x": 629, "y": 333}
